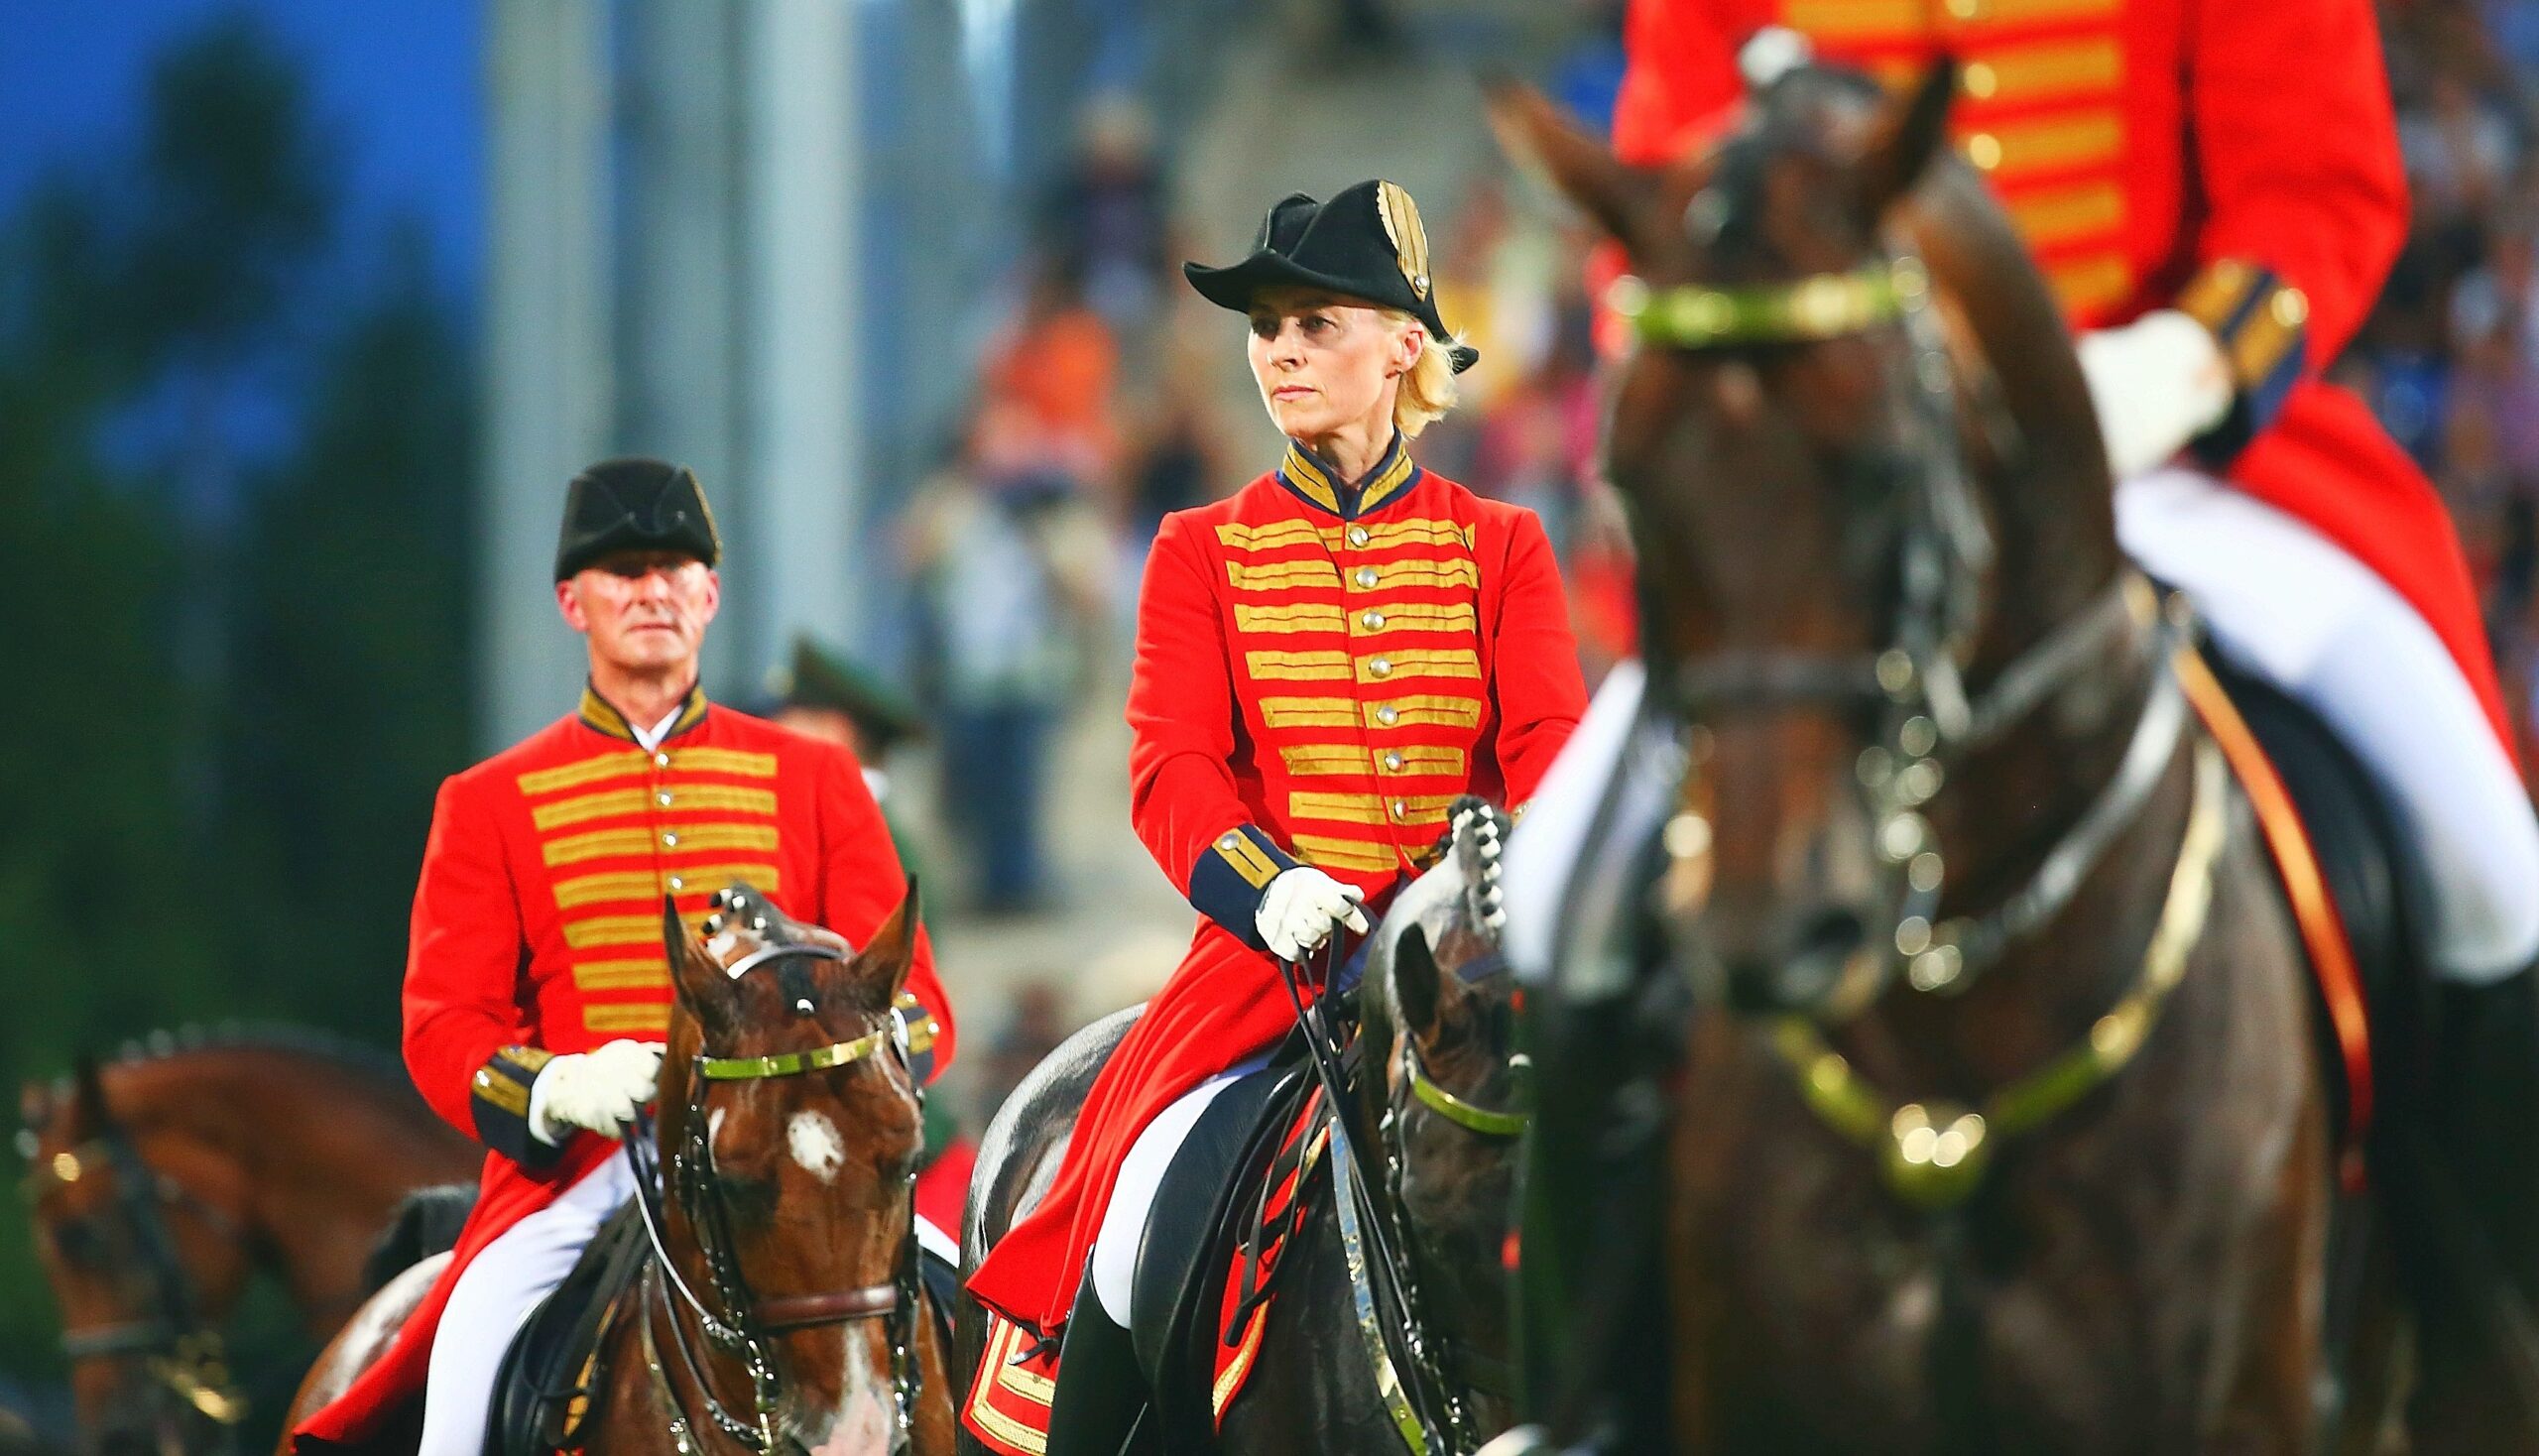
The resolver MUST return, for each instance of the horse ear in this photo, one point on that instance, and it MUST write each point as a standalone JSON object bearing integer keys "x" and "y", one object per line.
{"x": 1416, "y": 981}
{"x": 1909, "y": 132}
{"x": 90, "y": 1112}
{"x": 893, "y": 949}
{"x": 693, "y": 975}
{"x": 1531, "y": 129}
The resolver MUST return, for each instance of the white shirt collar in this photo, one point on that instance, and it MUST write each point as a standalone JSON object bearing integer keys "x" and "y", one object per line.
{"x": 650, "y": 738}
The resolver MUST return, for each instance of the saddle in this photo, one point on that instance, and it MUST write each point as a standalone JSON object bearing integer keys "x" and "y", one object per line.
{"x": 551, "y": 1380}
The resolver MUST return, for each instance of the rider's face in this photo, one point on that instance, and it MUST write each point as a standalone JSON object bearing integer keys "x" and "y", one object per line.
{"x": 642, "y": 611}
{"x": 1326, "y": 365}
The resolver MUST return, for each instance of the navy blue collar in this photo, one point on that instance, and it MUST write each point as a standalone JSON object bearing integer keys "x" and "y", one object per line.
{"x": 1313, "y": 480}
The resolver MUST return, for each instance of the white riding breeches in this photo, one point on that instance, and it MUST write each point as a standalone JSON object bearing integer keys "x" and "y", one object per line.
{"x": 1123, "y": 1219}
{"x": 2292, "y": 607}
{"x": 495, "y": 1292}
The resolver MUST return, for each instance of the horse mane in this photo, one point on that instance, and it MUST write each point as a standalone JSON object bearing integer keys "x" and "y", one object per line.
{"x": 359, "y": 1060}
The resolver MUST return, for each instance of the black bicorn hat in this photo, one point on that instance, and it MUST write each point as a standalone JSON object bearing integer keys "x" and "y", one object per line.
{"x": 635, "y": 504}
{"x": 1367, "y": 242}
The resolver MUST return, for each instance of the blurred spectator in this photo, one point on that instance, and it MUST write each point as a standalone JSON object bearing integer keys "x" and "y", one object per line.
{"x": 1106, "y": 223}
{"x": 1059, "y": 363}
{"x": 1008, "y": 568}
{"x": 825, "y": 694}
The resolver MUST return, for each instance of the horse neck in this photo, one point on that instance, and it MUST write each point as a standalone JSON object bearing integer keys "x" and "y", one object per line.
{"x": 322, "y": 1152}
{"x": 2052, "y": 503}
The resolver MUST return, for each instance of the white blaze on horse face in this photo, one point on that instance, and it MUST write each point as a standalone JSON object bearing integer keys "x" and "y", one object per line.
{"x": 714, "y": 1125}
{"x": 816, "y": 1144}
{"x": 865, "y": 1416}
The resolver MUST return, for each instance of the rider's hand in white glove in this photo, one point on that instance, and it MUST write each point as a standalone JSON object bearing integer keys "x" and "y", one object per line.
{"x": 2157, "y": 383}
{"x": 1299, "y": 908}
{"x": 599, "y": 1090}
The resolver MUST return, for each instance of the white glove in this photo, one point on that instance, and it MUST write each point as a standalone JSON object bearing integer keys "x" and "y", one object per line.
{"x": 600, "y": 1090}
{"x": 2156, "y": 382}
{"x": 1299, "y": 908}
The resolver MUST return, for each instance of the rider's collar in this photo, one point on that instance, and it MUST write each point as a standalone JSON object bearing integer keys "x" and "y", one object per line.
{"x": 601, "y": 716}
{"x": 1315, "y": 481}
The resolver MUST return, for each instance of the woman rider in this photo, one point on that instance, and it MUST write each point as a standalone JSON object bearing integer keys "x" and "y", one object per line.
{"x": 1325, "y": 661}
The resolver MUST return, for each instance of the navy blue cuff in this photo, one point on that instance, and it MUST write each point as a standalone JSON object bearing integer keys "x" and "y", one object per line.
{"x": 2261, "y": 324}
{"x": 922, "y": 1029}
{"x": 1231, "y": 875}
{"x": 499, "y": 1098}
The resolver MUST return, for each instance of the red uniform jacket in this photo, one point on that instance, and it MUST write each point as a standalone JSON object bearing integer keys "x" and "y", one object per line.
{"x": 1318, "y": 676}
{"x": 538, "y": 931}
{"x": 2236, "y": 159}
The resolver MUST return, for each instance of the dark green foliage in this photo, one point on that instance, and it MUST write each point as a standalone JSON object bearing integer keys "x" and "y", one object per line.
{"x": 229, "y": 723}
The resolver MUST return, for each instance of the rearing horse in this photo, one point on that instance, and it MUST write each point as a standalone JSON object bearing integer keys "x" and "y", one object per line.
{"x": 1925, "y": 1064}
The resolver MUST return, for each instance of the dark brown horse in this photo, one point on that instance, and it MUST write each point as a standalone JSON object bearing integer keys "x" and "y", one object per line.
{"x": 784, "y": 1310}
{"x": 164, "y": 1183}
{"x": 1926, "y": 1068}
{"x": 1436, "y": 1107}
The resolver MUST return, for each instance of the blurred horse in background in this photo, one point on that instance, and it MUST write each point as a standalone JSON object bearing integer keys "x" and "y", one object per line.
{"x": 161, "y": 1183}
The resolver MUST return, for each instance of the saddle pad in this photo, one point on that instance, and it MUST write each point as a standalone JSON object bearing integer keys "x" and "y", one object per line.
{"x": 1008, "y": 1405}
{"x": 1244, "y": 1306}
{"x": 2331, "y": 950}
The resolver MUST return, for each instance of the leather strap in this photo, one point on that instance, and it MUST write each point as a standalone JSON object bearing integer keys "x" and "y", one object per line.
{"x": 838, "y": 1306}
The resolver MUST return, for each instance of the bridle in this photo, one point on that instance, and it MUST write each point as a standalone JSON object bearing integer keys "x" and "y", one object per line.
{"x": 748, "y": 1323}
{"x": 1422, "y": 1375}
{"x": 1928, "y": 722}
{"x": 182, "y": 1351}
{"x": 1438, "y": 1357}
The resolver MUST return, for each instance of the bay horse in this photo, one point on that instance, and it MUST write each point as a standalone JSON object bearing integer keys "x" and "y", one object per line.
{"x": 1925, "y": 1065}
{"x": 161, "y": 1184}
{"x": 1435, "y": 1104}
{"x": 781, "y": 1308}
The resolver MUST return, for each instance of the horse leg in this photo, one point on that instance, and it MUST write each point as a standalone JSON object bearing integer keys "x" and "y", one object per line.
{"x": 358, "y": 1346}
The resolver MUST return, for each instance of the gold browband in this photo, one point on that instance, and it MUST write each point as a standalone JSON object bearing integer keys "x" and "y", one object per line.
{"x": 1822, "y": 306}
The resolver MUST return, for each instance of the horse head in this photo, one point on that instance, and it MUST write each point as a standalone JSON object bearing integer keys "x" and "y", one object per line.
{"x": 790, "y": 1125}
{"x": 135, "y": 1286}
{"x": 1444, "y": 1090}
{"x": 1863, "y": 472}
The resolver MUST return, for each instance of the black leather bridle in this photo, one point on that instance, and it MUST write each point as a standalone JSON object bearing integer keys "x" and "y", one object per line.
{"x": 748, "y": 1323}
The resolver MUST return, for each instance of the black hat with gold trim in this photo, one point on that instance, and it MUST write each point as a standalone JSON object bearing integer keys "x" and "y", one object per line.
{"x": 1366, "y": 243}
{"x": 635, "y": 504}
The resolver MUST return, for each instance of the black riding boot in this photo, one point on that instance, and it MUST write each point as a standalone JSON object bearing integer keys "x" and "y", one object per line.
{"x": 2485, "y": 1112}
{"x": 1101, "y": 1390}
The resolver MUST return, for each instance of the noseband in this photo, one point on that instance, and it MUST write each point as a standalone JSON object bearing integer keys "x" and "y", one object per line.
{"x": 748, "y": 1322}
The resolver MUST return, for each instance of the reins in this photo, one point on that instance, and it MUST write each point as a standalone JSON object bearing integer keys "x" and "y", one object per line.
{"x": 748, "y": 1322}
{"x": 1424, "y": 1401}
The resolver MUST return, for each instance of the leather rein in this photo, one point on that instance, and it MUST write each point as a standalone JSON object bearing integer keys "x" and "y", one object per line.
{"x": 748, "y": 1322}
